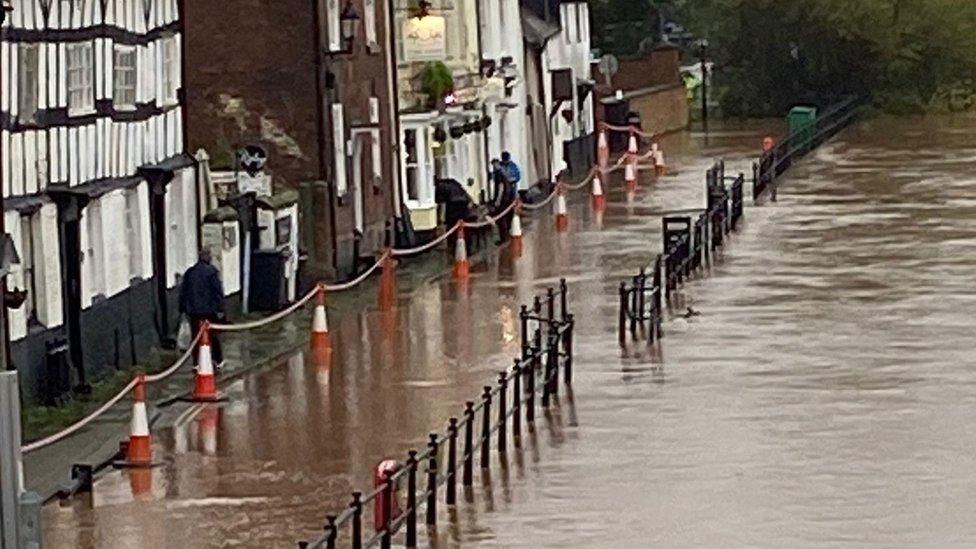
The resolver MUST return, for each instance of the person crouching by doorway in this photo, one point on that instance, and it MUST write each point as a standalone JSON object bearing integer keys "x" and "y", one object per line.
{"x": 202, "y": 300}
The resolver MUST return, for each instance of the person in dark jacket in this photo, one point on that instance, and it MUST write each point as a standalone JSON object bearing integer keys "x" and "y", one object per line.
{"x": 505, "y": 194}
{"x": 458, "y": 206}
{"x": 202, "y": 299}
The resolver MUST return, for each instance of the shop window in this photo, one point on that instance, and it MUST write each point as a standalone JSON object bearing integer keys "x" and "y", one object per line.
{"x": 412, "y": 163}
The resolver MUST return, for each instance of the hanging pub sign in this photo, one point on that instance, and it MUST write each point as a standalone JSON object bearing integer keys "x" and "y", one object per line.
{"x": 425, "y": 38}
{"x": 251, "y": 177}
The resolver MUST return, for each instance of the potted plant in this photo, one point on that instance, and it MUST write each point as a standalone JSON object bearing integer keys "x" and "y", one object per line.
{"x": 436, "y": 81}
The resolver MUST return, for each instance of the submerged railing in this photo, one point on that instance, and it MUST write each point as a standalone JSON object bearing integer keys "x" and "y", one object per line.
{"x": 781, "y": 156}
{"x": 546, "y": 331}
{"x": 689, "y": 245}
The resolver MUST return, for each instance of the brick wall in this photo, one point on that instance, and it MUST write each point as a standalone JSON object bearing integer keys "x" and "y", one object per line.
{"x": 250, "y": 79}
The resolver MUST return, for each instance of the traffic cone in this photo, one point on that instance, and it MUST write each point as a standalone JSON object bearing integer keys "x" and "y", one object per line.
{"x": 562, "y": 214}
{"x": 630, "y": 176}
{"x": 320, "y": 322}
{"x": 660, "y": 168}
{"x": 138, "y": 451}
{"x": 603, "y": 150}
{"x": 140, "y": 483}
{"x": 205, "y": 384}
{"x": 387, "y": 293}
{"x": 515, "y": 233}
{"x": 599, "y": 201}
{"x": 462, "y": 269}
{"x": 207, "y": 423}
{"x": 632, "y": 144}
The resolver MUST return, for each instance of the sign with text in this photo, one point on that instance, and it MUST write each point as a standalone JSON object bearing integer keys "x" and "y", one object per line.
{"x": 425, "y": 39}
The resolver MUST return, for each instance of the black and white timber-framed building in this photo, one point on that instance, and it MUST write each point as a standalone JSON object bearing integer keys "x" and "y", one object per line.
{"x": 100, "y": 197}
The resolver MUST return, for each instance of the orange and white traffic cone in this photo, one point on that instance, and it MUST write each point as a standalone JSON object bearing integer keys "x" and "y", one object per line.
{"x": 515, "y": 233}
{"x": 138, "y": 451}
{"x": 630, "y": 175}
{"x": 660, "y": 168}
{"x": 632, "y": 144}
{"x": 387, "y": 292}
{"x": 599, "y": 200}
{"x": 562, "y": 213}
{"x": 320, "y": 322}
{"x": 462, "y": 268}
{"x": 205, "y": 383}
{"x": 207, "y": 423}
{"x": 603, "y": 150}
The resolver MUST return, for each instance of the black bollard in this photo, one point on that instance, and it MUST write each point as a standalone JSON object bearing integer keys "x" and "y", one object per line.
{"x": 633, "y": 307}
{"x": 486, "y": 429}
{"x": 554, "y": 341}
{"x": 640, "y": 300}
{"x": 452, "y": 432}
{"x": 568, "y": 348}
{"x": 530, "y": 389}
{"x": 467, "y": 478}
{"x": 622, "y": 319}
{"x": 563, "y": 298}
{"x": 550, "y": 304}
{"x": 331, "y": 532}
{"x": 432, "y": 481}
{"x": 411, "y": 534}
{"x": 524, "y": 330}
{"x": 502, "y": 413}
{"x": 357, "y": 520}
{"x": 517, "y": 402}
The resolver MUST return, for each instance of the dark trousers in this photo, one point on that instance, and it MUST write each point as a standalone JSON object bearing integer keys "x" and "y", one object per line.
{"x": 504, "y": 222}
{"x": 216, "y": 353}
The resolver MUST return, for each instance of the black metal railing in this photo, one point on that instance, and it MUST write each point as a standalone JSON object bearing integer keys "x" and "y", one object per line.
{"x": 689, "y": 245}
{"x": 778, "y": 159}
{"x": 546, "y": 330}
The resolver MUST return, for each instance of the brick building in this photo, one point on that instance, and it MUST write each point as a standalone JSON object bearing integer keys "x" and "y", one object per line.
{"x": 283, "y": 75}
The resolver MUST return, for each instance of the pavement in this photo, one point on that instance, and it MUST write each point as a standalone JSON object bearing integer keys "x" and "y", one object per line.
{"x": 48, "y": 470}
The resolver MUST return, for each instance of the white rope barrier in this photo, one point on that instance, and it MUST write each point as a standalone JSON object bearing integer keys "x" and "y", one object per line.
{"x": 489, "y": 220}
{"x": 540, "y": 205}
{"x": 429, "y": 245}
{"x": 184, "y": 358}
{"x": 353, "y": 283}
{"x": 267, "y": 320}
{"x": 38, "y": 444}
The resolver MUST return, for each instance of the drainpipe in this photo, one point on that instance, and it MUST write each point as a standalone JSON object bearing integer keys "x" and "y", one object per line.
{"x": 393, "y": 111}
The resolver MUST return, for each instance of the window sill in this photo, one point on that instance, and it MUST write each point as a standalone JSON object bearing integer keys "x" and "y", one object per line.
{"x": 125, "y": 107}
{"x": 81, "y": 111}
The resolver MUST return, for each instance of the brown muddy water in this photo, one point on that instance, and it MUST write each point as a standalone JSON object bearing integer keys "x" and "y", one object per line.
{"x": 824, "y": 397}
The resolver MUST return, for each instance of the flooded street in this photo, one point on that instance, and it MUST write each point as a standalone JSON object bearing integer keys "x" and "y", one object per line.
{"x": 823, "y": 397}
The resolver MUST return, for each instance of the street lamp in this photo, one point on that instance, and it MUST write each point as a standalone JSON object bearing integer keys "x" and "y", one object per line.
{"x": 702, "y": 57}
{"x": 349, "y": 25}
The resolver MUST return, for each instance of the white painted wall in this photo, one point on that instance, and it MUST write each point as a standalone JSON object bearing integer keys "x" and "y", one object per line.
{"x": 181, "y": 230}
{"x": 568, "y": 49}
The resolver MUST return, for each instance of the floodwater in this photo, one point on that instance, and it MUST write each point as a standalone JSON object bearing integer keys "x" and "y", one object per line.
{"x": 824, "y": 396}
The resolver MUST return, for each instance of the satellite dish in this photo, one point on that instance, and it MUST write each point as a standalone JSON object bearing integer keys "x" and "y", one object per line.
{"x": 608, "y": 66}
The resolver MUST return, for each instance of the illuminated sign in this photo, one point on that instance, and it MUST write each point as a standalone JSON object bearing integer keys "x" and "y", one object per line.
{"x": 424, "y": 39}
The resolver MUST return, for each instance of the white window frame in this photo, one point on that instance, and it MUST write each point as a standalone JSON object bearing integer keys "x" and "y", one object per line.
{"x": 339, "y": 148}
{"x": 334, "y": 28}
{"x": 369, "y": 23}
{"x": 170, "y": 70}
{"x": 133, "y": 232}
{"x": 80, "y": 79}
{"x": 28, "y": 92}
{"x": 94, "y": 255}
{"x": 119, "y": 87}
{"x": 29, "y": 228}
